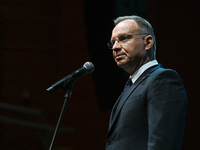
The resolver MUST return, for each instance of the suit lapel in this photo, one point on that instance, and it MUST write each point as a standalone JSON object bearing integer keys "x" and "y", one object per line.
{"x": 128, "y": 92}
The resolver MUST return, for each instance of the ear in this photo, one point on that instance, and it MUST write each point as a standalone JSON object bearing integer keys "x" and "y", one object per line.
{"x": 148, "y": 42}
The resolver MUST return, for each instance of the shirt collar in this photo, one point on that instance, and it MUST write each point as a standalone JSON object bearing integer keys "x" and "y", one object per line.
{"x": 144, "y": 67}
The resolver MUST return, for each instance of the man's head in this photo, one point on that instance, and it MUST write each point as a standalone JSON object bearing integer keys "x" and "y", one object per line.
{"x": 133, "y": 42}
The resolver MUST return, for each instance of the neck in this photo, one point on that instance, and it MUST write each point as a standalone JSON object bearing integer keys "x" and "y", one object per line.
{"x": 134, "y": 68}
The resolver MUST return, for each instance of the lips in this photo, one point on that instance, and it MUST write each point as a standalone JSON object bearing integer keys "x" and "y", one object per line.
{"x": 119, "y": 56}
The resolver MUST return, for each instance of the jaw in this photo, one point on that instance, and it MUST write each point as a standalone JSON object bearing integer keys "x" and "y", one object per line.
{"x": 123, "y": 64}
{"x": 131, "y": 66}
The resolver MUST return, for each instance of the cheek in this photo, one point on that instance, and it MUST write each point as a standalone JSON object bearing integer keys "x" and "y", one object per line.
{"x": 131, "y": 50}
{"x": 135, "y": 49}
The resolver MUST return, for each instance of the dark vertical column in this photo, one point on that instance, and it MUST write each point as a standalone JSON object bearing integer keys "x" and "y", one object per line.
{"x": 99, "y": 15}
{"x": 130, "y": 7}
{"x": 107, "y": 76}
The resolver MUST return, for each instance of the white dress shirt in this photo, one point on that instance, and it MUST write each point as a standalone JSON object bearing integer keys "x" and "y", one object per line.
{"x": 144, "y": 67}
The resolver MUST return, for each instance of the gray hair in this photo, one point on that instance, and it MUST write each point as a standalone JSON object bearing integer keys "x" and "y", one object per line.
{"x": 143, "y": 24}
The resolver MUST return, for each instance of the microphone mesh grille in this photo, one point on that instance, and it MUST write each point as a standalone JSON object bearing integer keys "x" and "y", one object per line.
{"x": 89, "y": 67}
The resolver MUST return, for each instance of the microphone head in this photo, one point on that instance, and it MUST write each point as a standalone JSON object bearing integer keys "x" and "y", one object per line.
{"x": 89, "y": 67}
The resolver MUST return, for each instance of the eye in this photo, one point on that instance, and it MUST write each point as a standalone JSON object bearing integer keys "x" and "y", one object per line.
{"x": 124, "y": 38}
{"x": 112, "y": 42}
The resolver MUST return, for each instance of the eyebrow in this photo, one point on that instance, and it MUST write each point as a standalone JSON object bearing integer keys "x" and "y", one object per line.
{"x": 121, "y": 34}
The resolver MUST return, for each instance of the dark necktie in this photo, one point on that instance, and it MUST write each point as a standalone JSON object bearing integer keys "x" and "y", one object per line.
{"x": 126, "y": 87}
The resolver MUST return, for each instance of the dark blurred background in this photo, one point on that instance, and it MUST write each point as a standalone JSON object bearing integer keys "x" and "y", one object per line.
{"x": 43, "y": 41}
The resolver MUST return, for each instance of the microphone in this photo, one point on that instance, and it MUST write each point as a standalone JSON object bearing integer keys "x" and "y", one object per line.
{"x": 88, "y": 67}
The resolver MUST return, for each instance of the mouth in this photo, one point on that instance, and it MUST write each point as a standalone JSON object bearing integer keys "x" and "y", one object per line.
{"x": 119, "y": 56}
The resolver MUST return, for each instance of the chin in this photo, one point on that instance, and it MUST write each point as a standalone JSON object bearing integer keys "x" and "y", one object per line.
{"x": 121, "y": 61}
{"x": 120, "y": 64}
{"x": 123, "y": 65}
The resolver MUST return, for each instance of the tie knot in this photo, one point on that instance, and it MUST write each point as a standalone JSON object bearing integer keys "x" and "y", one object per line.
{"x": 128, "y": 84}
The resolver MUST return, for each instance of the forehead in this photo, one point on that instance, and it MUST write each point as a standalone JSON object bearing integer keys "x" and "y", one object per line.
{"x": 125, "y": 26}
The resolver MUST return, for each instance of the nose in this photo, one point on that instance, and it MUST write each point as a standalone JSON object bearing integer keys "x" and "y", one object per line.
{"x": 116, "y": 46}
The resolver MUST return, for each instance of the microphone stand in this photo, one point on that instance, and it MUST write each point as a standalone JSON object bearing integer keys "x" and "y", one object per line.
{"x": 68, "y": 89}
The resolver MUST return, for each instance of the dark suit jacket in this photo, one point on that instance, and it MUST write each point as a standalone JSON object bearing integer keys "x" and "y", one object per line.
{"x": 151, "y": 114}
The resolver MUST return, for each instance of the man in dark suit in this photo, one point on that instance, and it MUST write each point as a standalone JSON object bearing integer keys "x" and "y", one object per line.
{"x": 150, "y": 112}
